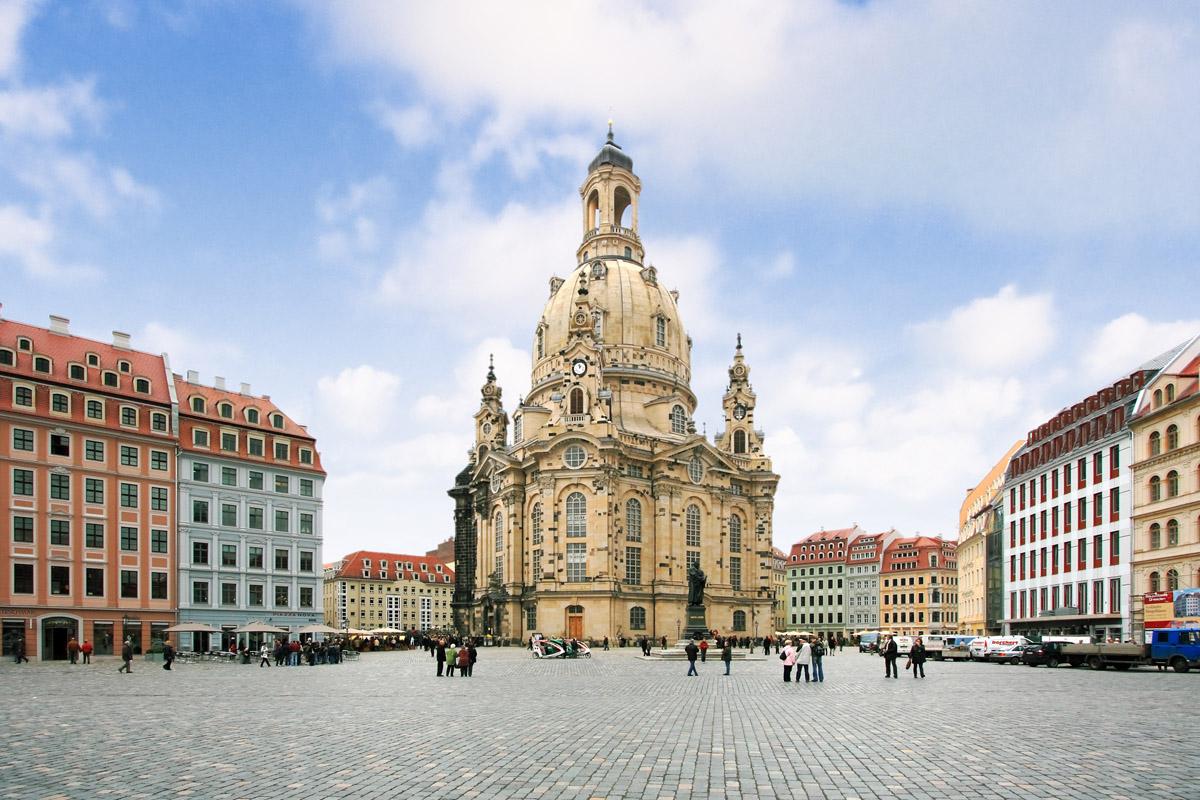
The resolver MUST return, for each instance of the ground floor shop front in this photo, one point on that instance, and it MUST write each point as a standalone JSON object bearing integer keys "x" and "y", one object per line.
{"x": 45, "y": 632}
{"x": 227, "y": 621}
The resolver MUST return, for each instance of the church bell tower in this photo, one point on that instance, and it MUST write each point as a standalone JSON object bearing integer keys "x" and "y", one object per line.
{"x": 610, "y": 206}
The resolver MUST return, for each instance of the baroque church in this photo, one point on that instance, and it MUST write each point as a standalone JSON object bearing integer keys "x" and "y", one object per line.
{"x": 581, "y": 514}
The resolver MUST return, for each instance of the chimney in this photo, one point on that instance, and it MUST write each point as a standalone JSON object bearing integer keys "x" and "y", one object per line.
{"x": 193, "y": 376}
{"x": 121, "y": 340}
{"x": 60, "y": 325}
{"x": 218, "y": 382}
{"x": 245, "y": 388}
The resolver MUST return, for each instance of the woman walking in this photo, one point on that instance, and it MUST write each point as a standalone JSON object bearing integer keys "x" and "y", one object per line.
{"x": 917, "y": 656}
{"x": 788, "y": 656}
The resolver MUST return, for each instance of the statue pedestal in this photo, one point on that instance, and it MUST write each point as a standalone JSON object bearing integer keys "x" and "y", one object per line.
{"x": 696, "y": 627}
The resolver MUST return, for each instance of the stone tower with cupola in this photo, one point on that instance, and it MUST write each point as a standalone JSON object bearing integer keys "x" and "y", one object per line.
{"x": 585, "y": 523}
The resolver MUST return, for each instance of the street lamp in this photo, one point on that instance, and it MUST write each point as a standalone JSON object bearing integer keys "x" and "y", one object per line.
{"x": 677, "y": 634}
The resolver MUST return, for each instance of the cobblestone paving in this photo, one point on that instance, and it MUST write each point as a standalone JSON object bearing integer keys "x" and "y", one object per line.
{"x": 609, "y": 727}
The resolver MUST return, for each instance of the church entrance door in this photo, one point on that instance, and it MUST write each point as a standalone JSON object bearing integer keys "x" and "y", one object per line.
{"x": 575, "y": 626}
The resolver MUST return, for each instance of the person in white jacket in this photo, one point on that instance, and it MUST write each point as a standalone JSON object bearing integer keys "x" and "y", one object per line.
{"x": 264, "y": 655}
{"x": 803, "y": 660}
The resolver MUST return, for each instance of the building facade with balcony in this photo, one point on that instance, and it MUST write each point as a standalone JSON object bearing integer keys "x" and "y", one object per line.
{"x": 975, "y": 520}
{"x": 586, "y": 520}
{"x": 369, "y": 590}
{"x": 1166, "y": 482}
{"x": 918, "y": 588}
{"x": 250, "y": 521}
{"x": 87, "y": 488}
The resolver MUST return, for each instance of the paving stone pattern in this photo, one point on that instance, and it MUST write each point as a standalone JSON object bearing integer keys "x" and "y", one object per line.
{"x": 609, "y": 727}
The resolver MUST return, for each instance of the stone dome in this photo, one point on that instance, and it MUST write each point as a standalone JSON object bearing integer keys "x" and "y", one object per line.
{"x": 630, "y": 302}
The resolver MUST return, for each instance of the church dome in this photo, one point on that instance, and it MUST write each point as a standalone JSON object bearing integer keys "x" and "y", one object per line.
{"x": 611, "y": 153}
{"x": 635, "y": 320}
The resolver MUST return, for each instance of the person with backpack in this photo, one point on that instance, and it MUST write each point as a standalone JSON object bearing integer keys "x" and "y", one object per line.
{"x": 818, "y": 656}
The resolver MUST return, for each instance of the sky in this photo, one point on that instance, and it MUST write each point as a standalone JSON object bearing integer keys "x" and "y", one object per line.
{"x": 935, "y": 224}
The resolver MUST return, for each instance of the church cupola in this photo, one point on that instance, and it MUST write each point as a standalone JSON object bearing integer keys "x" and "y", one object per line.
{"x": 491, "y": 423}
{"x": 610, "y": 206}
{"x": 739, "y": 437}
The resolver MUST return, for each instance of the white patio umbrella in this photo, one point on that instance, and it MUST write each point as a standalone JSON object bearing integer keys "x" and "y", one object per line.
{"x": 384, "y": 631}
{"x": 192, "y": 627}
{"x": 259, "y": 627}
{"x": 317, "y": 627}
{"x": 355, "y": 632}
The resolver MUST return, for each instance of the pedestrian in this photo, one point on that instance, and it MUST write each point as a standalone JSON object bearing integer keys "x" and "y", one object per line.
{"x": 264, "y": 655}
{"x": 803, "y": 660}
{"x": 19, "y": 651}
{"x": 126, "y": 657}
{"x": 86, "y": 648}
{"x": 891, "y": 651}
{"x": 916, "y": 656}
{"x": 440, "y": 654}
{"x": 473, "y": 657}
{"x": 73, "y": 650}
{"x": 788, "y": 657}
{"x": 727, "y": 655}
{"x": 278, "y": 653}
{"x": 168, "y": 654}
{"x": 766, "y": 645}
{"x": 464, "y": 662}
{"x": 294, "y": 651}
{"x": 818, "y": 669}
{"x": 605, "y": 642}
{"x": 451, "y": 660}
{"x": 692, "y": 651}
{"x": 664, "y": 642}
{"x": 841, "y": 642}
{"x": 703, "y": 650}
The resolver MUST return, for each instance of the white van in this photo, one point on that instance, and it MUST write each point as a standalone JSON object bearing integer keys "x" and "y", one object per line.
{"x": 904, "y": 644}
{"x": 981, "y": 646}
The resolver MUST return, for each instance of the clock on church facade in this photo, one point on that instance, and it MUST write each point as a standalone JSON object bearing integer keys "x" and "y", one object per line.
{"x": 580, "y": 514}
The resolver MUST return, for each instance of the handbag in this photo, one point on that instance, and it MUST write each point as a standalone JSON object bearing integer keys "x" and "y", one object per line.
{"x": 908, "y": 664}
{"x": 783, "y": 656}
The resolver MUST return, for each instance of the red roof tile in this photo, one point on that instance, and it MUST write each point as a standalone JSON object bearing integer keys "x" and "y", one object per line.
{"x": 352, "y": 567}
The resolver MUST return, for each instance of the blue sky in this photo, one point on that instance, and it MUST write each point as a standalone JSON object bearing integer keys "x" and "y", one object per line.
{"x": 935, "y": 224}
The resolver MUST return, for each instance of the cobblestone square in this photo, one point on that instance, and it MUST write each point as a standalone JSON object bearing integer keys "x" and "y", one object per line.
{"x": 609, "y": 727}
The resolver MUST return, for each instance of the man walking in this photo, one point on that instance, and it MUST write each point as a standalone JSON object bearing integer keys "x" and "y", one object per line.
{"x": 891, "y": 651}
{"x": 168, "y": 654}
{"x": 692, "y": 651}
{"x": 86, "y": 649}
{"x": 19, "y": 651}
{"x": 126, "y": 657}
{"x": 73, "y": 650}
{"x": 441, "y": 656}
{"x": 727, "y": 655}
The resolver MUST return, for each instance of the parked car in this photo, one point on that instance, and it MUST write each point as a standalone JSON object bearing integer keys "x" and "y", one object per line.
{"x": 1008, "y": 655}
{"x": 1047, "y": 653}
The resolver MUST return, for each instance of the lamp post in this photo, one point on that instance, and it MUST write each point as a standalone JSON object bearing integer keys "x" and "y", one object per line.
{"x": 677, "y": 633}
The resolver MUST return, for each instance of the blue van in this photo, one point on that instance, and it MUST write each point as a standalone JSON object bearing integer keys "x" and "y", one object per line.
{"x": 1177, "y": 648}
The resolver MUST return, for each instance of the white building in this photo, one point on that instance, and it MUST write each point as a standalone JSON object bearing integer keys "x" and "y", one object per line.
{"x": 862, "y": 579}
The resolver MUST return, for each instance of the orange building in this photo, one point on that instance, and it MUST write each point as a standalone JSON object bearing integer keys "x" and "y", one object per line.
{"x": 87, "y": 487}
{"x": 918, "y": 587}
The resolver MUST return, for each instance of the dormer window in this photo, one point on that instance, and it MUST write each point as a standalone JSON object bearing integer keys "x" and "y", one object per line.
{"x": 424, "y": 568}
{"x": 141, "y": 385}
{"x": 198, "y": 405}
{"x": 110, "y": 379}
{"x": 25, "y": 343}
{"x": 7, "y": 357}
{"x": 93, "y": 360}
{"x": 277, "y": 421}
{"x": 123, "y": 366}
{"x": 367, "y": 563}
{"x": 41, "y": 364}
{"x": 225, "y": 410}
{"x": 252, "y": 416}
{"x": 77, "y": 372}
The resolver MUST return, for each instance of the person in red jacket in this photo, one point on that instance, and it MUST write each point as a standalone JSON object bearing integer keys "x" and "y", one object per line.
{"x": 86, "y": 648}
{"x": 73, "y": 650}
{"x": 703, "y": 650}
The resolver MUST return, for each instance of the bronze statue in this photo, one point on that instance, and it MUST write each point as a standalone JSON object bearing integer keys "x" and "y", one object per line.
{"x": 696, "y": 583}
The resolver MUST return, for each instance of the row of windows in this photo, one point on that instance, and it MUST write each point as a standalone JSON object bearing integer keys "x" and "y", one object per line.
{"x": 254, "y": 517}
{"x": 255, "y": 445}
{"x": 78, "y": 372}
{"x": 1048, "y": 558}
{"x": 1155, "y": 581}
{"x": 1155, "y": 534}
{"x": 1156, "y": 486}
{"x": 94, "y": 490}
{"x": 1050, "y": 479}
{"x": 255, "y": 595}
{"x": 225, "y": 409}
{"x": 229, "y": 476}
{"x": 1048, "y": 520}
{"x": 59, "y": 444}
{"x": 808, "y": 586}
{"x": 918, "y": 598}
{"x": 254, "y": 557}
{"x": 902, "y": 617}
{"x": 60, "y": 581}
{"x": 93, "y": 535}
{"x": 1027, "y": 602}
{"x": 94, "y": 408}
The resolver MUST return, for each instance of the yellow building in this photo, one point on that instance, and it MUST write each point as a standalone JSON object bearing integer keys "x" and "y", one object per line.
{"x": 586, "y": 519}
{"x": 779, "y": 588}
{"x": 974, "y": 522}
{"x": 1166, "y": 481}
{"x": 369, "y": 590}
{"x": 918, "y": 587}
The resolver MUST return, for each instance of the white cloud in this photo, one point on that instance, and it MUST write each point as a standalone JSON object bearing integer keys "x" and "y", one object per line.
{"x": 1006, "y": 331}
{"x": 14, "y": 14}
{"x": 49, "y": 112}
{"x": 29, "y": 241}
{"x": 361, "y": 400}
{"x": 187, "y": 350}
{"x": 412, "y": 127}
{"x": 934, "y": 110}
{"x": 1130, "y": 340}
{"x": 351, "y": 230}
{"x": 81, "y": 180}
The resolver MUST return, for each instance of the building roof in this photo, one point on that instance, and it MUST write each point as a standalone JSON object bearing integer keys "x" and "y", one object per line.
{"x": 351, "y": 566}
{"x": 611, "y": 153}
{"x": 986, "y": 490}
{"x": 808, "y": 549}
{"x": 921, "y": 544}
{"x": 240, "y": 402}
{"x": 64, "y": 349}
{"x": 865, "y": 541}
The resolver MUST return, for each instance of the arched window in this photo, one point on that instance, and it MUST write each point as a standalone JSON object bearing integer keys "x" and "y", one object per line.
{"x": 1157, "y": 398}
{"x": 225, "y": 410}
{"x": 1172, "y": 580}
{"x": 1155, "y": 536}
{"x": 692, "y": 525}
{"x": 1172, "y": 484}
{"x": 660, "y": 331}
{"x": 499, "y": 530}
{"x": 541, "y": 343}
{"x": 1170, "y": 392}
{"x": 739, "y": 441}
{"x": 735, "y": 533}
{"x": 1155, "y": 489}
{"x": 576, "y": 401}
{"x": 536, "y": 523}
{"x": 1155, "y": 444}
{"x": 576, "y": 515}
{"x": 1172, "y": 437}
{"x": 1155, "y": 582}
{"x": 574, "y": 609}
{"x": 633, "y": 520}
{"x": 739, "y": 620}
{"x": 637, "y": 618}
{"x": 678, "y": 420}
{"x": 1172, "y": 532}
{"x": 198, "y": 405}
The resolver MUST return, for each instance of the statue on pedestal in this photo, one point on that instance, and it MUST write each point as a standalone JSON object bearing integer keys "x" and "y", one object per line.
{"x": 696, "y": 583}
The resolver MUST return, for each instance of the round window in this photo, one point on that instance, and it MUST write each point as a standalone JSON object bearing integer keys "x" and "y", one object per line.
{"x": 696, "y": 470}
{"x": 574, "y": 456}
